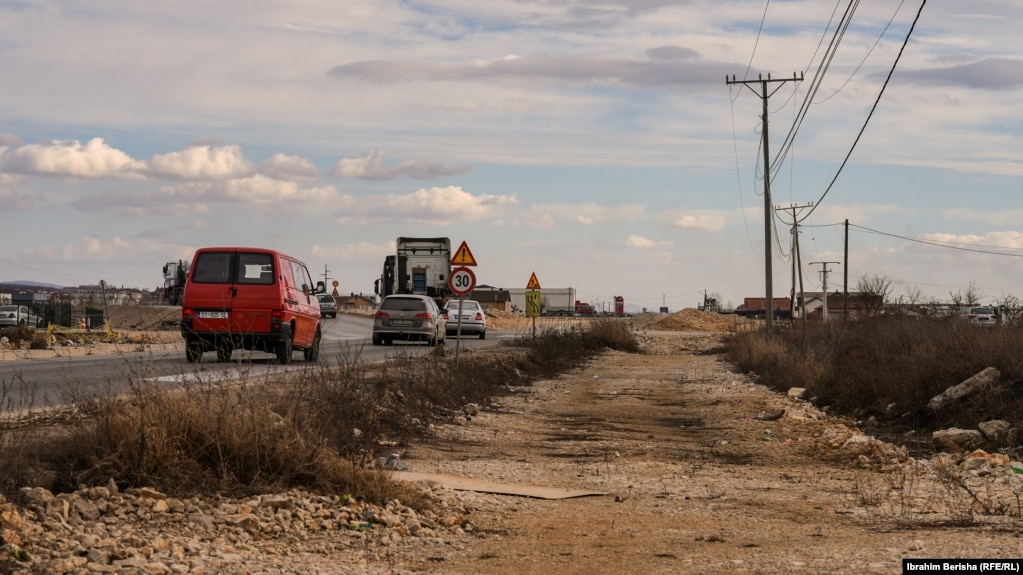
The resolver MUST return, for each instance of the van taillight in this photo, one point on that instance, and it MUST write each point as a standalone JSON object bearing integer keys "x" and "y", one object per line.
{"x": 276, "y": 319}
{"x": 381, "y": 315}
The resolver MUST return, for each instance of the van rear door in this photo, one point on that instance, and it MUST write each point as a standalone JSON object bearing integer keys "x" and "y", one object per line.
{"x": 233, "y": 291}
{"x": 256, "y": 291}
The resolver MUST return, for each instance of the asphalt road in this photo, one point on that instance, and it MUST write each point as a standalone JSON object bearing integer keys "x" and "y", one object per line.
{"x": 36, "y": 383}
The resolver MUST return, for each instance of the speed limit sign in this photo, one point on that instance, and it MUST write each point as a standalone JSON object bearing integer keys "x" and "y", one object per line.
{"x": 462, "y": 281}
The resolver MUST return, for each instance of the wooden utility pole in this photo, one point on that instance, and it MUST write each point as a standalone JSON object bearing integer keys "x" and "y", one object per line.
{"x": 824, "y": 273}
{"x": 764, "y": 96}
{"x": 796, "y": 263}
{"x": 845, "y": 280}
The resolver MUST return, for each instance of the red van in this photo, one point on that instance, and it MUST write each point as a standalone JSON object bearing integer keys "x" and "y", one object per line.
{"x": 250, "y": 298}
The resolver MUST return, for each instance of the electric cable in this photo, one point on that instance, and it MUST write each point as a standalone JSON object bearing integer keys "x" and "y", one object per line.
{"x": 872, "y": 108}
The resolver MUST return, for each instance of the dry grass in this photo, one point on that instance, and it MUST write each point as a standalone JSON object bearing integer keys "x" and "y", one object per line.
{"x": 886, "y": 369}
{"x": 317, "y": 429}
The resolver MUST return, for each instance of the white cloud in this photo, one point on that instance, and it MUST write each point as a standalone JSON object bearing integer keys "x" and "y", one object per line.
{"x": 704, "y": 220}
{"x": 357, "y": 251}
{"x": 255, "y": 190}
{"x": 995, "y": 217}
{"x": 202, "y": 162}
{"x": 635, "y": 241}
{"x": 282, "y": 167}
{"x": 110, "y": 249}
{"x": 547, "y": 215}
{"x": 69, "y": 158}
{"x": 370, "y": 166}
{"x": 991, "y": 241}
{"x": 441, "y": 206}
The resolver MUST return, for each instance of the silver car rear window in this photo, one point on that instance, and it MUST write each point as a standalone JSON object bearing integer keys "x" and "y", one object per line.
{"x": 403, "y": 304}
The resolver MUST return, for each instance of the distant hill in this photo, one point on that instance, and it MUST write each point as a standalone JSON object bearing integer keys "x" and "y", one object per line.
{"x": 27, "y": 286}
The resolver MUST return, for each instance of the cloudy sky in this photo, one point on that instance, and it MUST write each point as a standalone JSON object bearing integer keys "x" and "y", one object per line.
{"x": 595, "y": 143}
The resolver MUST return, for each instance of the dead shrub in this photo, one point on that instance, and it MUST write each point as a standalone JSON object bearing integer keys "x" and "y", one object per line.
{"x": 887, "y": 368}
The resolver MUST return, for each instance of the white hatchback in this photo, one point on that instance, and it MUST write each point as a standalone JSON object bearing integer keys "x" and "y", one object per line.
{"x": 473, "y": 318}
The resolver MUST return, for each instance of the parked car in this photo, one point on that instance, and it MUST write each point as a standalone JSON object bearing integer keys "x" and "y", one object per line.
{"x": 408, "y": 317}
{"x": 980, "y": 315}
{"x": 474, "y": 318}
{"x": 18, "y": 315}
{"x": 328, "y": 305}
{"x": 250, "y": 298}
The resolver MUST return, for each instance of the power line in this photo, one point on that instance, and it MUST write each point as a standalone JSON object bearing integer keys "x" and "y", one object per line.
{"x": 867, "y": 55}
{"x": 940, "y": 245}
{"x": 872, "y": 108}
{"x": 815, "y": 83}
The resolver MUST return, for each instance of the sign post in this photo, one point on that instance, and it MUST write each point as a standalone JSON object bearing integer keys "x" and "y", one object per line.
{"x": 461, "y": 282}
{"x": 533, "y": 300}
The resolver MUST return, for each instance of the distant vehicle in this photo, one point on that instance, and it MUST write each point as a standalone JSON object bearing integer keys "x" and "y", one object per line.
{"x": 408, "y": 317}
{"x": 474, "y": 318}
{"x": 250, "y": 298}
{"x": 174, "y": 274}
{"x": 980, "y": 316}
{"x": 12, "y": 315}
{"x": 419, "y": 266}
{"x": 585, "y": 309}
{"x": 328, "y": 305}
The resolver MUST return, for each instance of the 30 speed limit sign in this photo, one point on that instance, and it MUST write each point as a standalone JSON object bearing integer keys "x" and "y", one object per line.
{"x": 462, "y": 281}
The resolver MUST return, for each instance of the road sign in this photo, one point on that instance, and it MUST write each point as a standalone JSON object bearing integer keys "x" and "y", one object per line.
{"x": 463, "y": 256}
{"x": 533, "y": 282}
{"x": 462, "y": 281}
{"x": 335, "y": 283}
{"x": 532, "y": 304}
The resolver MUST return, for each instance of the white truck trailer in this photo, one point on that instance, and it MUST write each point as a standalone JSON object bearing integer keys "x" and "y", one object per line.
{"x": 419, "y": 266}
{"x": 553, "y": 301}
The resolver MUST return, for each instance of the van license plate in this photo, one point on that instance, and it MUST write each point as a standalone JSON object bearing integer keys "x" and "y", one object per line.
{"x": 401, "y": 322}
{"x": 213, "y": 314}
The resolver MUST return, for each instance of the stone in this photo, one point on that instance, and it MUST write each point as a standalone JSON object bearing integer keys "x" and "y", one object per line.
{"x": 961, "y": 438}
{"x": 985, "y": 378}
{"x": 996, "y": 429}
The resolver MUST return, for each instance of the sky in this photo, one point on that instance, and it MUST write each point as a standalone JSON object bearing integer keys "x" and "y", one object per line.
{"x": 596, "y": 144}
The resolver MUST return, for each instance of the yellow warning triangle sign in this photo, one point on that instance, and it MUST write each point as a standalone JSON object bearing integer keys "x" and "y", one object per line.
{"x": 463, "y": 256}
{"x": 533, "y": 282}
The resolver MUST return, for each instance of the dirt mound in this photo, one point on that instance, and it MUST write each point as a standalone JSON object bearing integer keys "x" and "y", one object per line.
{"x": 694, "y": 319}
{"x": 143, "y": 317}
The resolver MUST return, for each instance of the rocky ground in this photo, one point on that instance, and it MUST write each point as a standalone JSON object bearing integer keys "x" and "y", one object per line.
{"x": 696, "y": 469}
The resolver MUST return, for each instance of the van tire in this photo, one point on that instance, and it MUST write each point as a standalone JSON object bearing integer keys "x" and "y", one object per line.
{"x": 312, "y": 353}
{"x": 283, "y": 351}
{"x": 193, "y": 351}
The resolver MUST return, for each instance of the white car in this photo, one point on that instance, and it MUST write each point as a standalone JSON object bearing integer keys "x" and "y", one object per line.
{"x": 980, "y": 315}
{"x": 473, "y": 318}
{"x": 17, "y": 315}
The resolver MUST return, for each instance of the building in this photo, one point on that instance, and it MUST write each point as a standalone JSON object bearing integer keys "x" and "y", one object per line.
{"x": 492, "y": 298}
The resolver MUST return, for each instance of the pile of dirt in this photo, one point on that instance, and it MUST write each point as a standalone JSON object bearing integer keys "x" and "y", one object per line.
{"x": 694, "y": 319}
{"x": 143, "y": 317}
